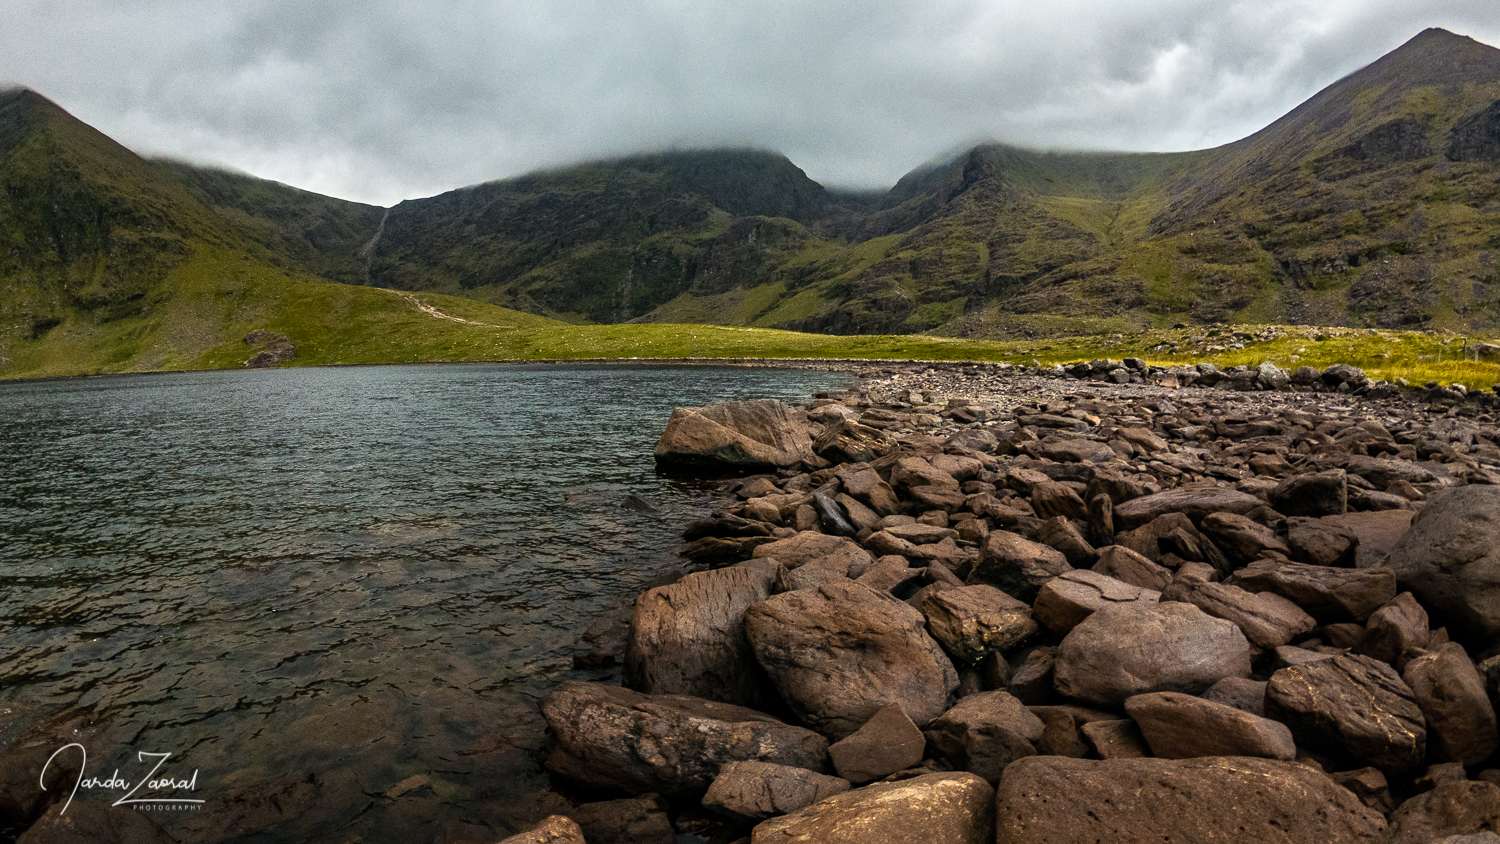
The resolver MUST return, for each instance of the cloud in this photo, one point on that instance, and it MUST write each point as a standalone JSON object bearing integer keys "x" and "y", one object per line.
{"x": 386, "y": 100}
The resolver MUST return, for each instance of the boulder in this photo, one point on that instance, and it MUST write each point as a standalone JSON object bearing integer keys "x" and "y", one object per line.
{"x": 611, "y": 737}
{"x": 973, "y": 621}
{"x": 1331, "y": 595}
{"x": 1321, "y": 542}
{"x": 1054, "y": 499}
{"x": 1068, "y": 599}
{"x": 1116, "y": 739}
{"x": 1050, "y": 799}
{"x": 1129, "y": 566}
{"x": 984, "y": 733}
{"x": 688, "y": 638}
{"x": 1129, "y": 649}
{"x": 1194, "y": 502}
{"x": 1354, "y": 707}
{"x": 847, "y": 441}
{"x": 555, "y": 829}
{"x": 1396, "y": 630}
{"x": 755, "y": 791}
{"x": 1242, "y": 693}
{"x": 1377, "y": 533}
{"x": 1061, "y": 534}
{"x": 1017, "y": 565}
{"x": 1317, "y": 494}
{"x": 955, "y": 808}
{"x": 1241, "y": 539}
{"x": 636, "y": 820}
{"x": 865, "y": 484}
{"x": 1450, "y": 559}
{"x": 1452, "y": 809}
{"x": 1179, "y": 726}
{"x": 887, "y": 743}
{"x": 740, "y": 435}
{"x": 840, "y": 652}
{"x": 1267, "y": 619}
{"x": 809, "y": 546}
{"x": 1460, "y": 718}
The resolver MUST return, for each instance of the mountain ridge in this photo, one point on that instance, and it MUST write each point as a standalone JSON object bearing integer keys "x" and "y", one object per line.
{"x": 1372, "y": 203}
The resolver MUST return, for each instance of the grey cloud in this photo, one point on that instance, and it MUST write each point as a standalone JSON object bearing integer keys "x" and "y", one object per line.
{"x": 385, "y": 100}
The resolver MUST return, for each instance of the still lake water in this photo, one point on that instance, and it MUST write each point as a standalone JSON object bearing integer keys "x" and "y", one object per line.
{"x": 335, "y": 594}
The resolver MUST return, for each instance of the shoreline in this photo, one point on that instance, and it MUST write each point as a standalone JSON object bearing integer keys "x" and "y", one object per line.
{"x": 932, "y": 483}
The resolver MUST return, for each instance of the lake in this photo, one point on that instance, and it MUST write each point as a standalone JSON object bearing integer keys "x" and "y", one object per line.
{"x": 333, "y": 594}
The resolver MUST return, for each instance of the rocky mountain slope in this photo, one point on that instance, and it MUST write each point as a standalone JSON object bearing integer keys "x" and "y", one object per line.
{"x": 1372, "y": 204}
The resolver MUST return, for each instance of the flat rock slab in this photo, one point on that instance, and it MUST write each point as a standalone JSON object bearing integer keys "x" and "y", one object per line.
{"x": 611, "y": 737}
{"x": 688, "y": 638}
{"x": 840, "y": 652}
{"x": 1450, "y": 559}
{"x": 1194, "y": 502}
{"x": 755, "y": 791}
{"x": 735, "y": 435}
{"x": 1267, "y": 619}
{"x": 1179, "y": 726}
{"x": 1068, "y": 599}
{"x": 951, "y": 808}
{"x": 1378, "y": 533}
{"x": 887, "y": 743}
{"x": 1331, "y": 595}
{"x": 1130, "y": 649}
{"x": 972, "y": 621}
{"x": 1353, "y": 706}
{"x": 1050, "y": 799}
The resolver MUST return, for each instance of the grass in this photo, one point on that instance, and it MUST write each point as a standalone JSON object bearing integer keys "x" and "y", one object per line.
{"x": 219, "y": 298}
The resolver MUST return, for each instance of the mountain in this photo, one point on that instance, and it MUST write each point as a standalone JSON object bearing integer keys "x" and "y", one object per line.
{"x": 1374, "y": 203}
{"x": 110, "y": 263}
{"x": 608, "y": 241}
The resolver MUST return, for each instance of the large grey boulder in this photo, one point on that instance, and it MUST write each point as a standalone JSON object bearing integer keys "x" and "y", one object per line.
{"x": 611, "y": 737}
{"x": 1179, "y": 726}
{"x": 1130, "y": 649}
{"x": 1354, "y": 707}
{"x": 688, "y": 638}
{"x": 1051, "y": 799}
{"x": 952, "y": 808}
{"x": 735, "y": 435}
{"x": 840, "y": 652}
{"x": 1450, "y": 559}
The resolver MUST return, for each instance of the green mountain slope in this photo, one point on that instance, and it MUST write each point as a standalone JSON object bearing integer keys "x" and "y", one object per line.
{"x": 609, "y": 241}
{"x": 1375, "y": 203}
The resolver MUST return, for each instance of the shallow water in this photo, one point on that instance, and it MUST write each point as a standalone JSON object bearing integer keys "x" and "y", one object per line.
{"x": 335, "y": 594}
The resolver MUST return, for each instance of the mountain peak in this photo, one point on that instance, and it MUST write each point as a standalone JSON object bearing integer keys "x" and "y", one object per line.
{"x": 1433, "y": 57}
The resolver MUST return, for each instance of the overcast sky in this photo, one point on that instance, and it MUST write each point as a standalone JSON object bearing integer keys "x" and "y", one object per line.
{"x": 381, "y": 101}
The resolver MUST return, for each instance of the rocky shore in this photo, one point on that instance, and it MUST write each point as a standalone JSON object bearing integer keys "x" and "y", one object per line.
{"x": 975, "y": 603}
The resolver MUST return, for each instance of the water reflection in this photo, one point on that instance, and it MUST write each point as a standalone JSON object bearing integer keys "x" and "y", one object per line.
{"x": 335, "y": 593}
